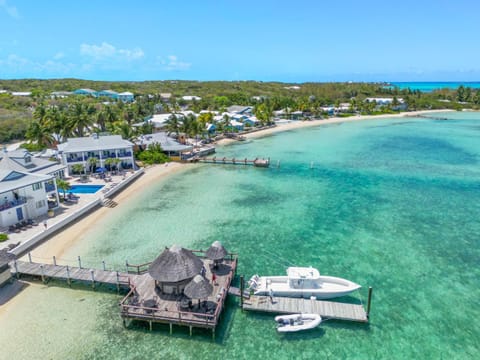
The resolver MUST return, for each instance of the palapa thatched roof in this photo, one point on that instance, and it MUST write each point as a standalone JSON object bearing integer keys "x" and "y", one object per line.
{"x": 175, "y": 264}
{"x": 198, "y": 288}
{"x": 216, "y": 251}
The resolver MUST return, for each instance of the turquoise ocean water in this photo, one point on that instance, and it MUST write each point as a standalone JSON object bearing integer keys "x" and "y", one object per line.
{"x": 430, "y": 86}
{"x": 393, "y": 204}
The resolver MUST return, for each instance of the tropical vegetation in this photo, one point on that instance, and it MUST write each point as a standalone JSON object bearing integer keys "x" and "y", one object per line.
{"x": 45, "y": 120}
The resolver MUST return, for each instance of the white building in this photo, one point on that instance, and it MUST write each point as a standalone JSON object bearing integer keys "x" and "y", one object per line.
{"x": 191, "y": 98}
{"x": 27, "y": 187}
{"x": 79, "y": 150}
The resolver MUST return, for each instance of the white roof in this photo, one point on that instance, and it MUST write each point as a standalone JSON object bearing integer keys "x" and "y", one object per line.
{"x": 235, "y": 123}
{"x": 126, "y": 93}
{"x": 21, "y": 93}
{"x": 93, "y": 143}
{"x": 191, "y": 97}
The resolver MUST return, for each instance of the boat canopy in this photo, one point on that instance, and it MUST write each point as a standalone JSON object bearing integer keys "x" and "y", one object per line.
{"x": 303, "y": 273}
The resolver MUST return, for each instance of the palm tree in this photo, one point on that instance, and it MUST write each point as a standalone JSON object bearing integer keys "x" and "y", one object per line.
{"x": 64, "y": 186}
{"x": 92, "y": 163}
{"x": 78, "y": 168}
{"x": 173, "y": 125}
{"x": 39, "y": 133}
{"x": 79, "y": 119}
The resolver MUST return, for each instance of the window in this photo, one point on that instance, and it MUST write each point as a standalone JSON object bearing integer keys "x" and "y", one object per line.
{"x": 37, "y": 186}
{"x": 40, "y": 204}
{"x": 28, "y": 159}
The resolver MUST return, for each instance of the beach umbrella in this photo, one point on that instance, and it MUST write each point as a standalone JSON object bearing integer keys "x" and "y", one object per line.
{"x": 175, "y": 264}
{"x": 198, "y": 288}
{"x": 100, "y": 170}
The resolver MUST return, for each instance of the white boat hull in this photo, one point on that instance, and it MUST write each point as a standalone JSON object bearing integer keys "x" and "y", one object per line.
{"x": 325, "y": 287}
{"x": 297, "y": 322}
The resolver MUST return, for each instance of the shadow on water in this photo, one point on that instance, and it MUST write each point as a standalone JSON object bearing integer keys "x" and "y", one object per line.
{"x": 9, "y": 291}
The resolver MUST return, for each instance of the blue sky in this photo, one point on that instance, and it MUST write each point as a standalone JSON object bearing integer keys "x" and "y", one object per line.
{"x": 291, "y": 41}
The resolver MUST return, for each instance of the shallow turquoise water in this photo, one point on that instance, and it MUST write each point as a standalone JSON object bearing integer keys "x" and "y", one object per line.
{"x": 392, "y": 204}
{"x": 431, "y": 86}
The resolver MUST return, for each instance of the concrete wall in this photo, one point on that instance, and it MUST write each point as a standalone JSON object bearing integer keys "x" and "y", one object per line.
{"x": 36, "y": 239}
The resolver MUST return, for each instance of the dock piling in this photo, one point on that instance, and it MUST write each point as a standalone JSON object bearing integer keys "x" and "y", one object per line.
{"x": 79, "y": 262}
{"x": 118, "y": 282}
{"x": 30, "y": 258}
{"x": 43, "y": 273}
{"x": 54, "y": 260}
{"x": 369, "y": 302}
{"x": 241, "y": 291}
{"x": 103, "y": 265}
{"x": 16, "y": 269}
{"x": 69, "y": 281}
{"x": 92, "y": 273}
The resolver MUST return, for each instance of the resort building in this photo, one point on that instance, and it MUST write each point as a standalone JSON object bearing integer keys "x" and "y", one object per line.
{"x": 108, "y": 93}
{"x": 126, "y": 96}
{"x": 27, "y": 187}
{"x": 239, "y": 109}
{"x": 88, "y": 92}
{"x": 169, "y": 145}
{"x": 78, "y": 151}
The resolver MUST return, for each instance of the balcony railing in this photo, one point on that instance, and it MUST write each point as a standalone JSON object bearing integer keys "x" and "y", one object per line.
{"x": 14, "y": 203}
{"x": 49, "y": 187}
{"x": 76, "y": 159}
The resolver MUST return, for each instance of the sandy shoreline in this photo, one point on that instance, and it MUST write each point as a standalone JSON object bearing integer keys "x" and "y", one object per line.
{"x": 335, "y": 120}
{"x": 58, "y": 244}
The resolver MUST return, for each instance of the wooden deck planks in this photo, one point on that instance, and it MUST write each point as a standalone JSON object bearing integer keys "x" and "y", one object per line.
{"x": 327, "y": 309}
{"x": 74, "y": 273}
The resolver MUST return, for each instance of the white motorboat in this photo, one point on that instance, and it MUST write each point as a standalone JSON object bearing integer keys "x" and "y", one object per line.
{"x": 303, "y": 282}
{"x": 297, "y": 322}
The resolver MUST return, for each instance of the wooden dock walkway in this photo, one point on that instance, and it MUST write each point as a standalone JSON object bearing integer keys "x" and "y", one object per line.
{"x": 326, "y": 309}
{"x": 70, "y": 274}
{"x": 223, "y": 161}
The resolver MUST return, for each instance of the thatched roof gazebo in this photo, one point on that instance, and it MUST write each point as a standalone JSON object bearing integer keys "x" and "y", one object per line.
{"x": 198, "y": 288}
{"x": 174, "y": 268}
{"x": 216, "y": 252}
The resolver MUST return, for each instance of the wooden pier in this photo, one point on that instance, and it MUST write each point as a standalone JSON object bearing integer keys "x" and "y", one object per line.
{"x": 72, "y": 274}
{"x": 144, "y": 301}
{"x": 224, "y": 161}
{"x": 326, "y": 309}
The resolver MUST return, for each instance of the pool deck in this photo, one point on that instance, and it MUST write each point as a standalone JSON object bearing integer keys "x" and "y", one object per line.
{"x": 66, "y": 210}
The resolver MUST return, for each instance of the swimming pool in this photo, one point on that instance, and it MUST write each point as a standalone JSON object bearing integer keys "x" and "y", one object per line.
{"x": 84, "y": 189}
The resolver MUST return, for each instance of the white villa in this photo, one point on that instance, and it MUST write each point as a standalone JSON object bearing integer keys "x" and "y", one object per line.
{"x": 79, "y": 150}
{"x": 27, "y": 187}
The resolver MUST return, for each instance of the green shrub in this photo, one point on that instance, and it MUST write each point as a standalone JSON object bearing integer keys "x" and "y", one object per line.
{"x": 3, "y": 237}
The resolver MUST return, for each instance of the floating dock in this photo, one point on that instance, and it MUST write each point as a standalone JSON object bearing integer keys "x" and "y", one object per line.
{"x": 286, "y": 305}
{"x": 326, "y": 309}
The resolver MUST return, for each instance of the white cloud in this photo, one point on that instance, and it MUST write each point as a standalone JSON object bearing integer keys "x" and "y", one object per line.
{"x": 171, "y": 63}
{"x": 106, "y": 51}
{"x": 10, "y": 10}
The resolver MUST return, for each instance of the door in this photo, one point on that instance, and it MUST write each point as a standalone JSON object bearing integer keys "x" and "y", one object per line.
{"x": 19, "y": 214}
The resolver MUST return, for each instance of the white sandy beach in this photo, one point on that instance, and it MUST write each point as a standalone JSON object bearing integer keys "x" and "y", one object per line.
{"x": 335, "y": 120}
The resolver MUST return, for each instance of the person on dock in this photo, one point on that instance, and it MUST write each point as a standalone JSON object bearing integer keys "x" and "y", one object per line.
{"x": 270, "y": 294}
{"x": 45, "y": 224}
{"x": 214, "y": 279}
